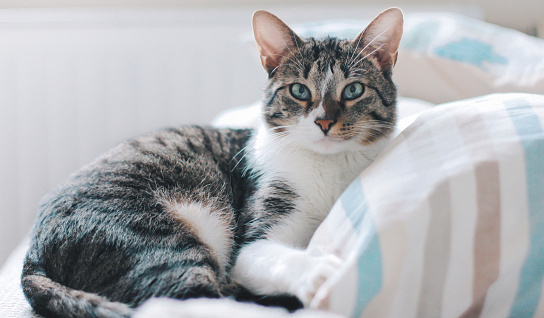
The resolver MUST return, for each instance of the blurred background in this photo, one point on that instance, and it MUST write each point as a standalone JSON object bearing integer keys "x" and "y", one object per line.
{"x": 78, "y": 76}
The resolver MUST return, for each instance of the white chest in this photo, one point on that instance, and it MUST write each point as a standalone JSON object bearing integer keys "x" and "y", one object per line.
{"x": 318, "y": 180}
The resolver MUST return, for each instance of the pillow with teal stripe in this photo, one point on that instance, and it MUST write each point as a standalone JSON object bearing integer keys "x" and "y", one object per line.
{"x": 449, "y": 219}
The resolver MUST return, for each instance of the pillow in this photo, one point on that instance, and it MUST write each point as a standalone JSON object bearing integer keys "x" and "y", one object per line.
{"x": 449, "y": 219}
{"x": 445, "y": 57}
{"x": 449, "y": 57}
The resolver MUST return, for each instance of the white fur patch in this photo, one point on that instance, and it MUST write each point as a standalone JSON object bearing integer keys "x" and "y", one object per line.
{"x": 317, "y": 178}
{"x": 211, "y": 226}
{"x": 219, "y": 308}
{"x": 281, "y": 263}
{"x": 269, "y": 268}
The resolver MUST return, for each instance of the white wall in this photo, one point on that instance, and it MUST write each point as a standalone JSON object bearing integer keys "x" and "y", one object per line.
{"x": 522, "y": 15}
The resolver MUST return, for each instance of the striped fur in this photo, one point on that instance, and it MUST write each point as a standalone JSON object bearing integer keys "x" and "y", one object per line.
{"x": 111, "y": 231}
{"x": 201, "y": 212}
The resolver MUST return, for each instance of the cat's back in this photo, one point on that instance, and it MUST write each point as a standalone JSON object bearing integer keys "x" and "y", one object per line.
{"x": 137, "y": 172}
{"x": 135, "y": 211}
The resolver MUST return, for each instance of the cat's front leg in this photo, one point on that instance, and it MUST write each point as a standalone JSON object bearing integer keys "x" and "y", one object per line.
{"x": 267, "y": 267}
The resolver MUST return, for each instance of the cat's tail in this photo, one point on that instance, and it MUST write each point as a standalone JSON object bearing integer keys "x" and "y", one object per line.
{"x": 52, "y": 299}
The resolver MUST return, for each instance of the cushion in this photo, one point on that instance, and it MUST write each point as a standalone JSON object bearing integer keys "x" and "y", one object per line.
{"x": 449, "y": 219}
{"x": 449, "y": 57}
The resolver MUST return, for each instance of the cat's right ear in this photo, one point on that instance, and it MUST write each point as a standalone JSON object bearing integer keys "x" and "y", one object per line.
{"x": 274, "y": 38}
{"x": 381, "y": 38}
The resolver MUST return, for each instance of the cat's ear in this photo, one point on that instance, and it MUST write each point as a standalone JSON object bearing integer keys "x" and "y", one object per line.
{"x": 274, "y": 38}
{"x": 381, "y": 38}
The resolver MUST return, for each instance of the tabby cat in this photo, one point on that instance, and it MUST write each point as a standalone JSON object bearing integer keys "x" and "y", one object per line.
{"x": 202, "y": 212}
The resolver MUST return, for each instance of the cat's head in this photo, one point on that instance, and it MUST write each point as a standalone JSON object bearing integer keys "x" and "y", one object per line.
{"x": 330, "y": 95}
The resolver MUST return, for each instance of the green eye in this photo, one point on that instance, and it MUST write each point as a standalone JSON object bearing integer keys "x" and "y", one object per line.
{"x": 300, "y": 91}
{"x": 353, "y": 91}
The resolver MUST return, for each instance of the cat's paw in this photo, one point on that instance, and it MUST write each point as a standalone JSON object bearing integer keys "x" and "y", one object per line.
{"x": 269, "y": 268}
{"x": 318, "y": 270}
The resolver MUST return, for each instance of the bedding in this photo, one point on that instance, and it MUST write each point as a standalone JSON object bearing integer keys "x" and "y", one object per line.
{"x": 448, "y": 221}
{"x": 456, "y": 57}
{"x": 13, "y": 303}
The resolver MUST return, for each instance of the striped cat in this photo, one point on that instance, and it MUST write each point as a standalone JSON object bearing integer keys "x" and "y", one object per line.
{"x": 202, "y": 212}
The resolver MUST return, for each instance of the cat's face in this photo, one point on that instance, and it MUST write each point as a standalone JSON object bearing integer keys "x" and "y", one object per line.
{"x": 331, "y": 95}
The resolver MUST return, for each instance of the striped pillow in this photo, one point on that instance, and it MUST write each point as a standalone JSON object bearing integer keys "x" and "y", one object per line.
{"x": 449, "y": 220}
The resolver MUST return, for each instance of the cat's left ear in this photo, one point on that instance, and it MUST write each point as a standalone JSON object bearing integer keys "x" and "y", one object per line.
{"x": 382, "y": 37}
{"x": 274, "y": 39}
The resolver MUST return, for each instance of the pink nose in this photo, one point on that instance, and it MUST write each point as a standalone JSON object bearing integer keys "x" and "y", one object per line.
{"x": 325, "y": 124}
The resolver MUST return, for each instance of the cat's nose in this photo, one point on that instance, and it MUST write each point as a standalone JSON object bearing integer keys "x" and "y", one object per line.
{"x": 325, "y": 124}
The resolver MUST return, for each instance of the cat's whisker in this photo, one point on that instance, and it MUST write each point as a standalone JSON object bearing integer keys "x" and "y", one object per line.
{"x": 290, "y": 150}
{"x": 298, "y": 65}
{"x": 376, "y": 126}
{"x": 239, "y": 152}
{"x": 370, "y": 130}
{"x": 371, "y": 133}
{"x": 369, "y": 54}
{"x": 299, "y": 52}
{"x": 373, "y": 122}
{"x": 280, "y": 135}
{"x": 366, "y": 46}
{"x": 280, "y": 65}
{"x": 280, "y": 127}
{"x": 353, "y": 54}
{"x": 298, "y": 62}
{"x": 287, "y": 142}
{"x": 279, "y": 143}
{"x": 241, "y": 159}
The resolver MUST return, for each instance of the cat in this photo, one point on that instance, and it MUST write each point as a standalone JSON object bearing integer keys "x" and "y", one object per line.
{"x": 202, "y": 212}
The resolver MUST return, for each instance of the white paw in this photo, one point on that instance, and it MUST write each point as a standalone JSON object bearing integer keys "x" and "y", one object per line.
{"x": 269, "y": 268}
{"x": 318, "y": 269}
